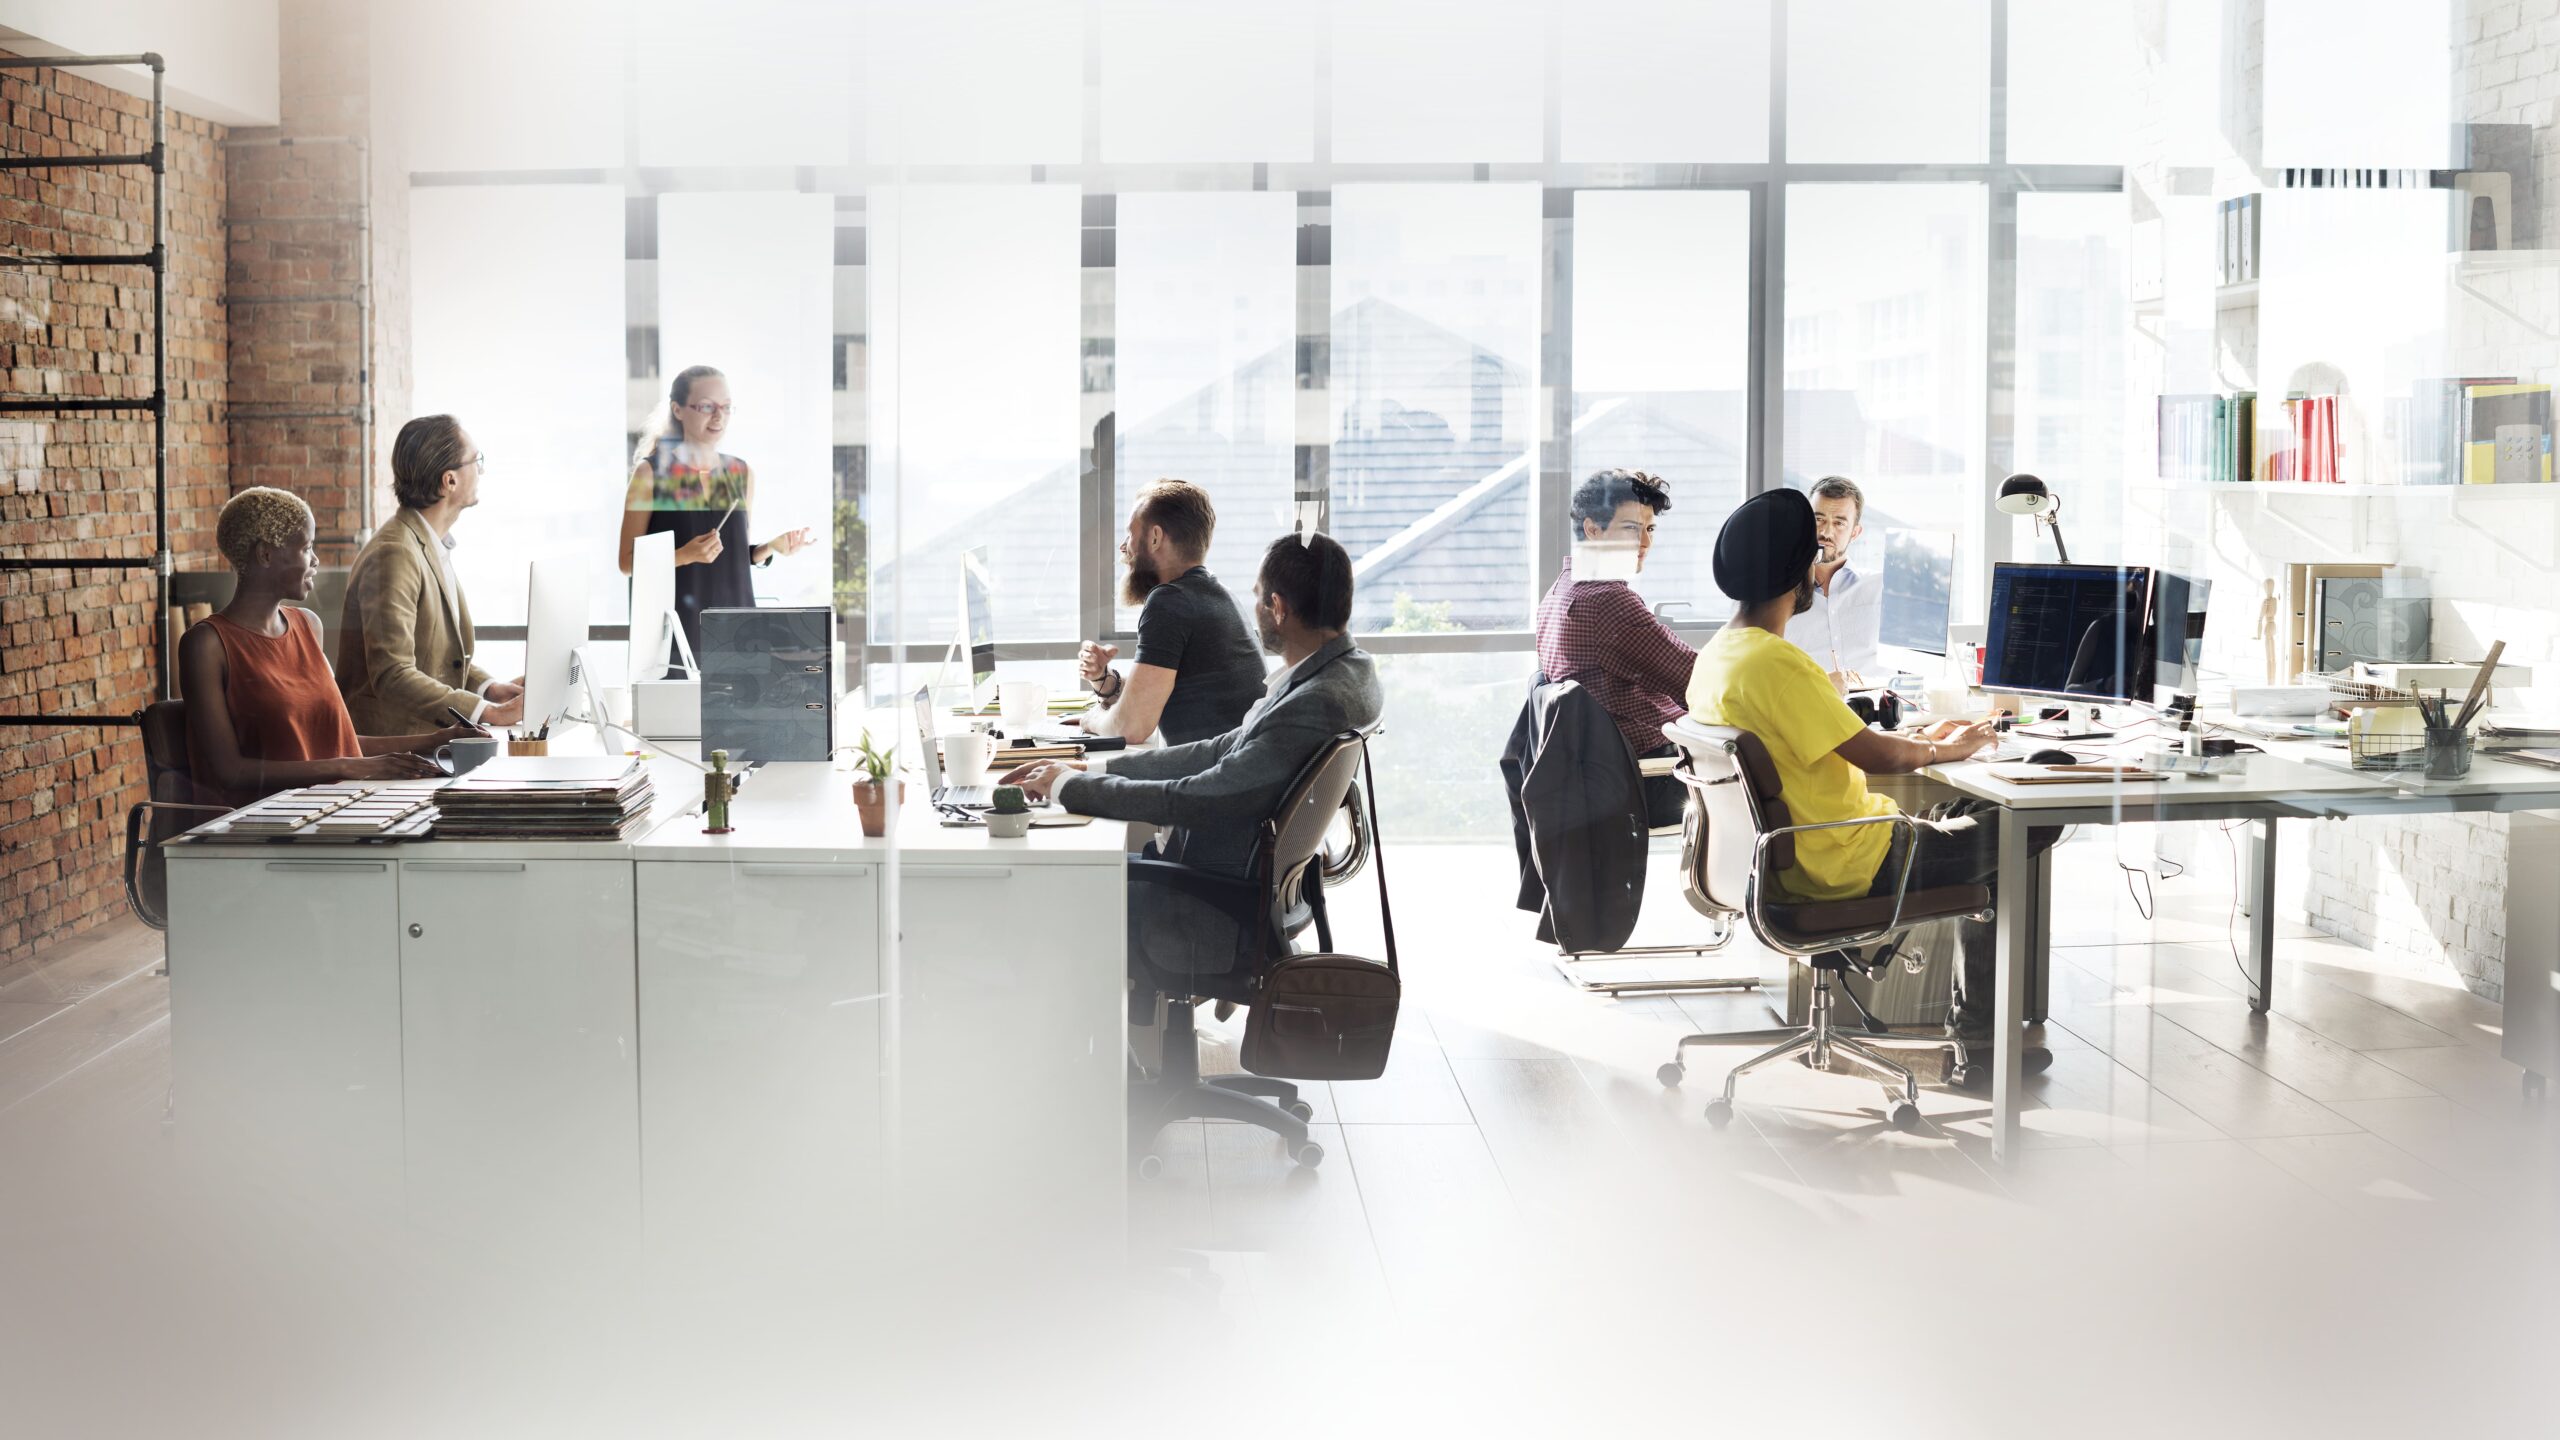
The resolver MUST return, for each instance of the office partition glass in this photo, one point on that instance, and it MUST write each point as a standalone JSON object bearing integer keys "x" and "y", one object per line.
{"x": 1665, "y": 81}
{"x": 498, "y": 85}
{"x": 1661, "y": 364}
{"x": 2353, "y": 304}
{"x": 1205, "y": 354}
{"x": 974, "y": 425}
{"x": 1438, "y": 81}
{"x": 746, "y": 285}
{"x": 2074, "y": 414}
{"x": 529, "y": 355}
{"x": 1434, "y": 387}
{"x": 749, "y": 82}
{"x": 972, "y": 82}
{"x": 1187, "y": 83}
{"x": 1894, "y": 81}
{"x": 2071, "y": 73}
{"x": 1885, "y": 319}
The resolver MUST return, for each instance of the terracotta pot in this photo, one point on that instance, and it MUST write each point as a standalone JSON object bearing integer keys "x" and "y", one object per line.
{"x": 871, "y": 801}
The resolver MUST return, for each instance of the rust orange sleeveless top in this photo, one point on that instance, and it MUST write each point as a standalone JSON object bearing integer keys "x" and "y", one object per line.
{"x": 284, "y": 698}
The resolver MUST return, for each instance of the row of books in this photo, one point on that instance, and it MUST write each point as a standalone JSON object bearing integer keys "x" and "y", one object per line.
{"x": 2472, "y": 430}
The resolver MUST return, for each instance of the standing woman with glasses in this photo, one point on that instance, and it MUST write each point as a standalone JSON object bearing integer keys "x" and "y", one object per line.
{"x": 681, "y": 482}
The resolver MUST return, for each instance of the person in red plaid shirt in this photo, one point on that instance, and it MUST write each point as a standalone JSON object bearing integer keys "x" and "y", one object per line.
{"x": 1599, "y": 632}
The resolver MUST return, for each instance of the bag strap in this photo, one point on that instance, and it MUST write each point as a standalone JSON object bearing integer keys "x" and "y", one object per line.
{"x": 1378, "y": 857}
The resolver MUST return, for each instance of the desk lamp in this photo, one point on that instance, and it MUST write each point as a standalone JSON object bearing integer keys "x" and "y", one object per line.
{"x": 2027, "y": 495}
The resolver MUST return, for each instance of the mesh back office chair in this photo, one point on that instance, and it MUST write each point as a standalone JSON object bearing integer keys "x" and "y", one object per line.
{"x": 1748, "y": 839}
{"x": 172, "y": 807}
{"x": 1281, "y": 894}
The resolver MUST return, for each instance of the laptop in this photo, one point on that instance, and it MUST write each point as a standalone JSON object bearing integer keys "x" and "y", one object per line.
{"x": 967, "y": 797}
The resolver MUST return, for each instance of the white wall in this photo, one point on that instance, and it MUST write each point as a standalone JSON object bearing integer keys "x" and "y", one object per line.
{"x": 221, "y": 53}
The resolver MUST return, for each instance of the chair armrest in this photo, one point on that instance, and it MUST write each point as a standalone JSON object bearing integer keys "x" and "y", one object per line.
{"x": 1238, "y": 897}
{"x": 1901, "y": 881}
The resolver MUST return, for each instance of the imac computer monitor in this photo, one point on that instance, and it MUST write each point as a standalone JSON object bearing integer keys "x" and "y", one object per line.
{"x": 555, "y": 625}
{"x": 978, "y": 613}
{"x": 2177, "y": 624}
{"x": 653, "y": 604}
{"x": 2073, "y": 632}
{"x": 1919, "y": 588}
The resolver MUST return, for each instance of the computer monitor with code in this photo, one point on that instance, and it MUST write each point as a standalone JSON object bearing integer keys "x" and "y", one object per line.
{"x": 2076, "y": 632}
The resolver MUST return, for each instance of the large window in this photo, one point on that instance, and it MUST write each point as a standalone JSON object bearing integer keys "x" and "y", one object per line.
{"x": 1413, "y": 267}
{"x": 1885, "y": 325}
{"x": 530, "y": 356}
{"x": 1661, "y": 364}
{"x": 1205, "y": 356}
{"x": 1435, "y": 363}
{"x": 974, "y": 421}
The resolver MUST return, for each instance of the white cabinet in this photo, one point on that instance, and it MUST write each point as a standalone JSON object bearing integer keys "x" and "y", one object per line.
{"x": 284, "y": 1005}
{"x": 1012, "y": 1044}
{"x": 761, "y": 1017}
{"x": 520, "y": 1051}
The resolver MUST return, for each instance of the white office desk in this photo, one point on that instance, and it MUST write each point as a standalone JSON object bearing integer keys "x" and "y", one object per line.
{"x": 492, "y": 1029}
{"x": 2288, "y": 782}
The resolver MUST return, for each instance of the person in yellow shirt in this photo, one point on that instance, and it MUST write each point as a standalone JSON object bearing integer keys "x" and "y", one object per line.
{"x": 1752, "y": 678}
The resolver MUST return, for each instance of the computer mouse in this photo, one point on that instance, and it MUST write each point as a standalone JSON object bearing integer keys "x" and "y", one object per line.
{"x": 2053, "y": 757}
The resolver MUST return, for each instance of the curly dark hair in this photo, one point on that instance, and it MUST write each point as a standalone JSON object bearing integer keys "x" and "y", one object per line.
{"x": 1598, "y": 498}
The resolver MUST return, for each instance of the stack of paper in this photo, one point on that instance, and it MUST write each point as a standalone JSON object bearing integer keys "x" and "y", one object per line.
{"x": 537, "y": 797}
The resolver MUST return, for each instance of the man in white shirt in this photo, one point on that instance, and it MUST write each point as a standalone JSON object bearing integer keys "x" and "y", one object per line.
{"x": 1840, "y": 631}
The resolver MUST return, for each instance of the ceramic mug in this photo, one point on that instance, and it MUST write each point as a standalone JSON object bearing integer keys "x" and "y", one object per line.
{"x": 965, "y": 757}
{"x": 1025, "y": 704}
{"x": 462, "y": 756}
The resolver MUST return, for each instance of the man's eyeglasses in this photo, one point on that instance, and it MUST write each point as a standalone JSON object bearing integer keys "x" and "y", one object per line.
{"x": 711, "y": 409}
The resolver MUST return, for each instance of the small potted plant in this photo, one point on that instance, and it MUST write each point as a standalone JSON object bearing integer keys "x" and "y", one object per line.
{"x": 1011, "y": 817}
{"x": 871, "y": 792}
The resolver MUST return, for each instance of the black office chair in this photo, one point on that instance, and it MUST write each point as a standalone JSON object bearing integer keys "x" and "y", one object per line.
{"x": 173, "y": 807}
{"x": 1281, "y": 894}
{"x": 1748, "y": 838}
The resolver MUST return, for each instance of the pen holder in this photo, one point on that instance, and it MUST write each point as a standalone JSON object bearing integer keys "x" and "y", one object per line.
{"x": 2448, "y": 754}
{"x": 528, "y": 747}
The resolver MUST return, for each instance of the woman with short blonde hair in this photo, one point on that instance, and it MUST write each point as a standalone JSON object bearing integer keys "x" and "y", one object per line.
{"x": 263, "y": 710}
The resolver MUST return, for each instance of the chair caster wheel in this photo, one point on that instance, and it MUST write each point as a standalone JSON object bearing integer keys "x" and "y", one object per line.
{"x": 1301, "y": 1109}
{"x": 2535, "y": 1086}
{"x": 1719, "y": 1112}
{"x": 1904, "y": 1116}
{"x": 1309, "y": 1156}
{"x": 1671, "y": 1075}
{"x": 1150, "y": 1166}
{"x": 2035, "y": 1061}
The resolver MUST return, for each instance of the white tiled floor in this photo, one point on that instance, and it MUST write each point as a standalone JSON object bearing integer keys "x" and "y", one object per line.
{"x": 2255, "y": 1213}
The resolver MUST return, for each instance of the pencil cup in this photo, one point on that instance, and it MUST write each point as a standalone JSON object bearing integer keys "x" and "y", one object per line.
{"x": 528, "y": 747}
{"x": 2448, "y": 754}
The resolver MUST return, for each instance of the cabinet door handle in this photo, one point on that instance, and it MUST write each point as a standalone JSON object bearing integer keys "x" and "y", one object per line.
{"x": 959, "y": 872}
{"x": 776, "y": 869}
{"x": 467, "y": 867}
{"x": 328, "y": 867}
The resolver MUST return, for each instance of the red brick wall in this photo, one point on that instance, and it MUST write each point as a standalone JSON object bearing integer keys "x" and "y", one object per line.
{"x": 79, "y": 486}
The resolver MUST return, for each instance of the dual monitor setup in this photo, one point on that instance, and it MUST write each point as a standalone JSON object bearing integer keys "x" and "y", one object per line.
{"x": 2084, "y": 634}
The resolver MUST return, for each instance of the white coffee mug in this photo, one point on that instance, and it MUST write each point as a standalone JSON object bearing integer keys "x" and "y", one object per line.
{"x": 1025, "y": 704}
{"x": 468, "y": 753}
{"x": 965, "y": 757}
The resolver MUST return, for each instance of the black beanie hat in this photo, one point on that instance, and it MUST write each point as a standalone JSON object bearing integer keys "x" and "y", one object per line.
{"x": 1767, "y": 546}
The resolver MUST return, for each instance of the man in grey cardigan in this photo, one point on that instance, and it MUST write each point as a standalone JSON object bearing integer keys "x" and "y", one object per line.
{"x": 1211, "y": 796}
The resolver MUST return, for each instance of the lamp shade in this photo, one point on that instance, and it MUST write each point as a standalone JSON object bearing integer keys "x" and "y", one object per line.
{"x": 2026, "y": 495}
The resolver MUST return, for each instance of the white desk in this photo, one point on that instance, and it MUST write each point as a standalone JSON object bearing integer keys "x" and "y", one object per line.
{"x": 732, "y": 1032}
{"x": 2288, "y": 782}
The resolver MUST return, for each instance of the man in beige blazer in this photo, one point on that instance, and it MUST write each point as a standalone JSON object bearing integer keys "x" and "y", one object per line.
{"x": 404, "y": 643}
